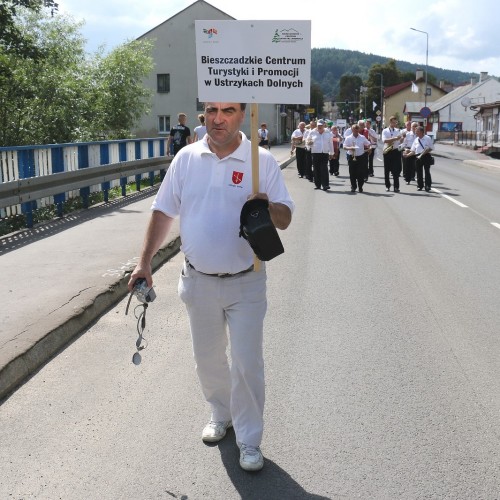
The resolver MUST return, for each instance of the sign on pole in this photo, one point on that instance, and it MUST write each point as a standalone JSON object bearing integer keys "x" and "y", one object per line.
{"x": 425, "y": 112}
{"x": 254, "y": 61}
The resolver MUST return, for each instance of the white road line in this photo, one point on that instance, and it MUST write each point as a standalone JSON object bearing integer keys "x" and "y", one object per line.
{"x": 450, "y": 198}
{"x": 496, "y": 224}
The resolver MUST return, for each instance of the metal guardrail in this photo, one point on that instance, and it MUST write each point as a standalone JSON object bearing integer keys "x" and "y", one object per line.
{"x": 35, "y": 188}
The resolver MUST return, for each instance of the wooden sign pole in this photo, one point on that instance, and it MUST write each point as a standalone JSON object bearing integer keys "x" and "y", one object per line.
{"x": 254, "y": 126}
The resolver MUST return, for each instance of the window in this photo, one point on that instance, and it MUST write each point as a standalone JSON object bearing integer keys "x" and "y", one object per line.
{"x": 163, "y": 124}
{"x": 163, "y": 82}
{"x": 200, "y": 106}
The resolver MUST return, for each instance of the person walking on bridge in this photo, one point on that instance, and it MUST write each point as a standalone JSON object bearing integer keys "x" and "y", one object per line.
{"x": 180, "y": 135}
{"x": 206, "y": 185}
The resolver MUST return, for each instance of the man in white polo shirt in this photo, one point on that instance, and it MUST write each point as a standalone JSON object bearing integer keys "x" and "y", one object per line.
{"x": 206, "y": 186}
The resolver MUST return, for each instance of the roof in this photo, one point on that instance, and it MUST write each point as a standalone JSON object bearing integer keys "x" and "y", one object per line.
{"x": 455, "y": 95}
{"x": 488, "y": 105}
{"x": 394, "y": 89}
{"x": 181, "y": 11}
{"x": 413, "y": 107}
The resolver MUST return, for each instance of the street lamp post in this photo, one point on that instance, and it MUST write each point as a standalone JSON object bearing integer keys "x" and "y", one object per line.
{"x": 426, "y": 61}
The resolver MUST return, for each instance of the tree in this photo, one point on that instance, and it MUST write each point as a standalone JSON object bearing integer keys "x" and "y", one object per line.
{"x": 317, "y": 98}
{"x": 390, "y": 76}
{"x": 348, "y": 97}
{"x": 67, "y": 96}
{"x": 11, "y": 38}
{"x": 119, "y": 97}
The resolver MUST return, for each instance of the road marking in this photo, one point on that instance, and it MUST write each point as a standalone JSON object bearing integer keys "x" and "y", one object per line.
{"x": 450, "y": 198}
{"x": 496, "y": 224}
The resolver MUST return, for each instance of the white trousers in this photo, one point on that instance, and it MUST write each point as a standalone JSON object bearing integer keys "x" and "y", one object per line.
{"x": 215, "y": 306}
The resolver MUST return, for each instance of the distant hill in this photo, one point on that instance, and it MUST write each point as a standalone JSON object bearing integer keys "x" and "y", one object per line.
{"x": 328, "y": 65}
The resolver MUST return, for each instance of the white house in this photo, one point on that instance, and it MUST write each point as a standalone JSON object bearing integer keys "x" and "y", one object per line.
{"x": 488, "y": 117}
{"x": 174, "y": 80}
{"x": 452, "y": 112}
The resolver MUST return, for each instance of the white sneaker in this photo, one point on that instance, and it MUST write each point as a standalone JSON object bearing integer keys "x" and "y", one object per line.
{"x": 251, "y": 458}
{"x": 215, "y": 431}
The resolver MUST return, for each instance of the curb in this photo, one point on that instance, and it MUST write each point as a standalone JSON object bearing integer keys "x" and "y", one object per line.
{"x": 18, "y": 370}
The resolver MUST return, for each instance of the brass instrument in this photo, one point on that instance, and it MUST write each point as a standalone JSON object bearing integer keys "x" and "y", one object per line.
{"x": 388, "y": 149}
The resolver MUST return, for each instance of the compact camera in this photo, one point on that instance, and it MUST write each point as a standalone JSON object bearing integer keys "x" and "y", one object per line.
{"x": 142, "y": 292}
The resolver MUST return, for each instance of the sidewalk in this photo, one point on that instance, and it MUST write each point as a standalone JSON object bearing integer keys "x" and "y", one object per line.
{"x": 59, "y": 277}
{"x": 468, "y": 156}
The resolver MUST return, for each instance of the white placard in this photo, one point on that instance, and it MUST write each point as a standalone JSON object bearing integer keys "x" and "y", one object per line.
{"x": 254, "y": 61}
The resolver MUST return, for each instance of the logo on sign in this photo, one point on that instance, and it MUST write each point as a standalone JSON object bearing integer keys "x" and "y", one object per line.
{"x": 237, "y": 177}
{"x": 210, "y": 32}
{"x": 290, "y": 35}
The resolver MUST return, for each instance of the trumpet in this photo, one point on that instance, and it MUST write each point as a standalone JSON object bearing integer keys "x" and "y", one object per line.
{"x": 388, "y": 149}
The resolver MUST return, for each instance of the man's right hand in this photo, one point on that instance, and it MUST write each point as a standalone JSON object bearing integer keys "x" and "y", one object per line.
{"x": 140, "y": 272}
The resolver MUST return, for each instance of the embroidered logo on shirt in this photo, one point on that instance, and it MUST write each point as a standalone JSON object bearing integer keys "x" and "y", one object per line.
{"x": 237, "y": 177}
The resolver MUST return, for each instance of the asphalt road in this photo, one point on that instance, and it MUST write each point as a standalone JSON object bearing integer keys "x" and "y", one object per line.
{"x": 383, "y": 374}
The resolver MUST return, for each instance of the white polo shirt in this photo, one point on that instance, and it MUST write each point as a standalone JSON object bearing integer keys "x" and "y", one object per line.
{"x": 419, "y": 144}
{"x": 360, "y": 141}
{"x": 298, "y": 134}
{"x": 207, "y": 194}
{"x": 389, "y": 133}
{"x": 322, "y": 142}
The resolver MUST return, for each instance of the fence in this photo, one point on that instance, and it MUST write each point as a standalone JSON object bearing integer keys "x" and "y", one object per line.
{"x": 476, "y": 139}
{"x": 36, "y": 176}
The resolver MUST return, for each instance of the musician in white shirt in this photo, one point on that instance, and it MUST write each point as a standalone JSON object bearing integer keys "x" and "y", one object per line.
{"x": 421, "y": 149}
{"x": 391, "y": 137}
{"x": 357, "y": 146}
{"x": 372, "y": 136}
{"x": 321, "y": 142}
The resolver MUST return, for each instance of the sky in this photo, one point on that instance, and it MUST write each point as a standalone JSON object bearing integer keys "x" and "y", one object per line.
{"x": 462, "y": 35}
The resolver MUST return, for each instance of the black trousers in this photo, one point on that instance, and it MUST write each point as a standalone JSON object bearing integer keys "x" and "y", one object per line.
{"x": 423, "y": 164}
{"x": 320, "y": 163}
{"x": 300, "y": 158}
{"x": 409, "y": 171}
{"x": 334, "y": 164}
{"x": 358, "y": 170}
{"x": 309, "y": 165}
{"x": 392, "y": 165}
{"x": 371, "y": 154}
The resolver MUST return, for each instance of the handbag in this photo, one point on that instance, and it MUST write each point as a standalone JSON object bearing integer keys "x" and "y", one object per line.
{"x": 431, "y": 160}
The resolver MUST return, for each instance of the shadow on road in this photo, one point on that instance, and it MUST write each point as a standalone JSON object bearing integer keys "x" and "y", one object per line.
{"x": 270, "y": 483}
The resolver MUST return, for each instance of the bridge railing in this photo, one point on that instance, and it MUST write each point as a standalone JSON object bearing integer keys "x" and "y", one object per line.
{"x": 36, "y": 176}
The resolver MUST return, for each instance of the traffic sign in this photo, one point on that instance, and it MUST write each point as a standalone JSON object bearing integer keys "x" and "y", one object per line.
{"x": 378, "y": 112}
{"x": 379, "y": 118}
{"x": 425, "y": 112}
